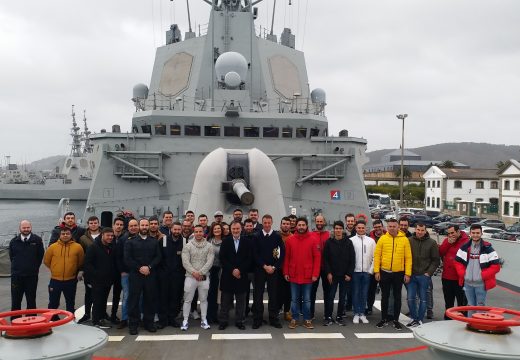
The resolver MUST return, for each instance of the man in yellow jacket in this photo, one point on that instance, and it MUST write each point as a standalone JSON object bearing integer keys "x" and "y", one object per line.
{"x": 64, "y": 258}
{"x": 392, "y": 267}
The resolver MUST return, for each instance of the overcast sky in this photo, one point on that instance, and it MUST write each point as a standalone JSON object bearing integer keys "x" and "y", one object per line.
{"x": 453, "y": 66}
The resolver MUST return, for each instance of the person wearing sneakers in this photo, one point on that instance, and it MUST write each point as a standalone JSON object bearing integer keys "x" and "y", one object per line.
{"x": 425, "y": 260}
{"x": 364, "y": 247}
{"x": 338, "y": 264}
{"x": 301, "y": 268}
{"x": 392, "y": 266}
{"x": 197, "y": 258}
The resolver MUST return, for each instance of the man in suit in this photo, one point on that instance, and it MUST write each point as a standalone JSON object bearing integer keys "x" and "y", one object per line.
{"x": 26, "y": 254}
{"x": 235, "y": 258}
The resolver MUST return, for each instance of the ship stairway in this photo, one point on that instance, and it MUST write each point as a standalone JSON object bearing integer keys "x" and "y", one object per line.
{"x": 318, "y": 167}
{"x": 139, "y": 165}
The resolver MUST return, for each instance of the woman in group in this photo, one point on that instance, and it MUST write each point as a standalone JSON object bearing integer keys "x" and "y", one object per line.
{"x": 215, "y": 238}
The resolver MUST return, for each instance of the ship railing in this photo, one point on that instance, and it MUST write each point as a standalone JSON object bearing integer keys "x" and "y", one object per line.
{"x": 5, "y": 238}
{"x": 296, "y": 105}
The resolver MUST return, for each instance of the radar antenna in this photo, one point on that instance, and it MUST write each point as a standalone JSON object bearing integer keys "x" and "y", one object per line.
{"x": 76, "y": 136}
{"x": 87, "y": 145}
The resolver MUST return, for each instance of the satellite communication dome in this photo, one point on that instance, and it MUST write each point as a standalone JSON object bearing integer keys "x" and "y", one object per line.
{"x": 318, "y": 96}
{"x": 228, "y": 63}
{"x": 140, "y": 91}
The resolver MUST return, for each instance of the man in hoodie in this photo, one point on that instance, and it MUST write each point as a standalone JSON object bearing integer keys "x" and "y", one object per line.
{"x": 69, "y": 222}
{"x": 301, "y": 268}
{"x": 86, "y": 240}
{"x": 338, "y": 260}
{"x": 377, "y": 231}
{"x": 197, "y": 258}
{"x": 323, "y": 235}
{"x": 392, "y": 267}
{"x": 364, "y": 247}
{"x": 425, "y": 260}
{"x": 450, "y": 281}
{"x": 64, "y": 258}
{"x": 477, "y": 264}
{"x": 284, "y": 292}
{"x": 100, "y": 268}
{"x": 118, "y": 227}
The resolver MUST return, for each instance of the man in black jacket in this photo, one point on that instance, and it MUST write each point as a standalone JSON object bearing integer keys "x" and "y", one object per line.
{"x": 26, "y": 254}
{"x": 235, "y": 259}
{"x": 69, "y": 222}
{"x": 119, "y": 231}
{"x": 269, "y": 252}
{"x": 142, "y": 255}
{"x": 100, "y": 268}
{"x": 171, "y": 276}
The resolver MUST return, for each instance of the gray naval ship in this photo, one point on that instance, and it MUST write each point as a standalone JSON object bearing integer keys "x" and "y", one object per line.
{"x": 228, "y": 120}
{"x": 72, "y": 180}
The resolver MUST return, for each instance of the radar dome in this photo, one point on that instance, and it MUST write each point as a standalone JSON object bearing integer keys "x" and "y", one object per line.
{"x": 232, "y": 80}
{"x": 318, "y": 96}
{"x": 231, "y": 62}
{"x": 140, "y": 91}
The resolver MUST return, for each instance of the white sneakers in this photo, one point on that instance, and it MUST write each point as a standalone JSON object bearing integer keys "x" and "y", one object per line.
{"x": 358, "y": 318}
{"x": 204, "y": 324}
{"x": 184, "y": 326}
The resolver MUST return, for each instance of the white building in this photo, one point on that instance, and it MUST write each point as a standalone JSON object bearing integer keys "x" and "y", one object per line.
{"x": 469, "y": 191}
{"x": 510, "y": 192}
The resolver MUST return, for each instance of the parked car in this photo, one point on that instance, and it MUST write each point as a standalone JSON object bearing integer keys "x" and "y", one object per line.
{"x": 443, "y": 217}
{"x": 505, "y": 235}
{"x": 441, "y": 228}
{"x": 492, "y": 223}
{"x": 487, "y": 232}
{"x": 425, "y": 219}
{"x": 432, "y": 213}
{"x": 514, "y": 228}
{"x": 468, "y": 220}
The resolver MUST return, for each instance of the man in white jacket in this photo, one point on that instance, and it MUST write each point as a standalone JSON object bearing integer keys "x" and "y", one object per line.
{"x": 364, "y": 247}
{"x": 197, "y": 259}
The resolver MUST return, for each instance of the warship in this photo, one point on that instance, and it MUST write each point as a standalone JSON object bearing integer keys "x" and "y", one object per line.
{"x": 228, "y": 120}
{"x": 72, "y": 181}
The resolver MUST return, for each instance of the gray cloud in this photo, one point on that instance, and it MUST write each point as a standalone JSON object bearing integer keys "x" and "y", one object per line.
{"x": 452, "y": 65}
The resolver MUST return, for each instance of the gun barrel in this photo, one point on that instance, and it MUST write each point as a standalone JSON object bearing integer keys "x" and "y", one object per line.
{"x": 243, "y": 193}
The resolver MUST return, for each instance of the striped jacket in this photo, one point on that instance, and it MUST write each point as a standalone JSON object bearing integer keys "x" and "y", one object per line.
{"x": 489, "y": 263}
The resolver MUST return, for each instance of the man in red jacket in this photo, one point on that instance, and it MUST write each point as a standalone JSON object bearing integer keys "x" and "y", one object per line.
{"x": 450, "y": 281}
{"x": 301, "y": 268}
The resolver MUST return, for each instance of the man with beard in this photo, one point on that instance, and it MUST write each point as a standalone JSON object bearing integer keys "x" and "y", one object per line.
{"x": 293, "y": 219}
{"x": 190, "y": 216}
{"x": 142, "y": 255}
{"x": 154, "y": 229}
{"x": 86, "y": 241}
{"x": 122, "y": 268}
{"x": 425, "y": 260}
{"x": 100, "y": 268}
{"x": 171, "y": 277}
{"x": 69, "y": 222}
{"x": 377, "y": 231}
{"x": 248, "y": 232}
{"x": 238, "y": 215}
{"x": 253, "y": 215}
{"x": 285, "y": 287}
{"x": 118, "y": 227}
{"x": 404, "y": 226}
{"x": 26, "y": 255}
{"x": 322, "y": 235}
{"x": 301, "y": 268}
{"x": 350, "y": 230}
{"x": 269, "y": 254}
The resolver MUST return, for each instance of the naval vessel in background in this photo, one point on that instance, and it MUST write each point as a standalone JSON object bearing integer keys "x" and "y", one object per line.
{"x": 228, "y": 120}
{"x": 72, "y": 181}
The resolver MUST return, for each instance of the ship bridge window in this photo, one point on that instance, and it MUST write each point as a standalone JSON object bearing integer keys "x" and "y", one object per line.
{"x": 175, "y": 130}
{"x": 147, "y": 129}
{"x": 160, "y": 129}
{"x": 192, "y": 130}
{"x": 271, "y": 132}
{"x": 251, "y": 131}
{"x": 213, "y": 130}
{"x": 301, "y": 132}
{"x": 232, "y": 131}
{"x": 287, "y": 132}
{"x": 315, "y": 132}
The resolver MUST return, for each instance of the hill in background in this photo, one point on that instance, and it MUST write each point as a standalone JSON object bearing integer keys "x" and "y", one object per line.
{"x": 476, "y": 155}
{"x": 48, "y": 163}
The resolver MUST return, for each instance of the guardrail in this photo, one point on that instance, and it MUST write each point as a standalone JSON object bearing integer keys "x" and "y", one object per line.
{"x": 6, "y": 238}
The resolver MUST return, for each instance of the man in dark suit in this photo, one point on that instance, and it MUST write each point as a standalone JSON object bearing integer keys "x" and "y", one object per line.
{"x": 26, "y": 254}
{"x": 235, "y": 259}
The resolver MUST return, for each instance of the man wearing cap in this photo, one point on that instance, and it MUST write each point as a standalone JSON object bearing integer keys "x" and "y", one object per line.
{"x": 218, "y": 216}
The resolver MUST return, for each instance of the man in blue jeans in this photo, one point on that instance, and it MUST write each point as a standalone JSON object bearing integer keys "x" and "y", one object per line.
{"x": 425, "y": 260}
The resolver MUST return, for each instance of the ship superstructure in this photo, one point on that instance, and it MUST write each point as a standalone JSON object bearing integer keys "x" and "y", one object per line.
{"x": 231, "y": 89}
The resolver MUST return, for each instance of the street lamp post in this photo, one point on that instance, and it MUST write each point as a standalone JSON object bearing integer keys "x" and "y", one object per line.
{"x": 402, "y": 117}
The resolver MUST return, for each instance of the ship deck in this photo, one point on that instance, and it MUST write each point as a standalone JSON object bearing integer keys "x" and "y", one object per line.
{"x": 361, "y": 341}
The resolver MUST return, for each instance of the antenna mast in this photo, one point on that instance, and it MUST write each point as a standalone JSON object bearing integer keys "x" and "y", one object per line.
{"x": 87, "y": 146}
{"x": 189, "y": 17}
{"x": 76, "y": 136}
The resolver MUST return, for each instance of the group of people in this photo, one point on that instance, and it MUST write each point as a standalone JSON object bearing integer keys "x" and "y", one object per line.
{"x": 162, "y": 267}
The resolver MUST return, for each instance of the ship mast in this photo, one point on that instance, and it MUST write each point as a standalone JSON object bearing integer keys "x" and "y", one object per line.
{"x": 87, "y": 145}
{"x": 76, "y": 137}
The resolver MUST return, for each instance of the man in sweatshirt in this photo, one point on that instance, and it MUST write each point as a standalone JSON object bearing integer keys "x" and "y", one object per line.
{"x": 69, "y": 222}
{"x": 197, "y": 259}
{"x": 392, "y": 267}
{"x": 364, "y": 247}
{"x": 425, "y": 260}
{"x": 323, "y": 235}
{"x": 338, "y": 262}
{"x": 301, "y": 268}
{"x": 377, "y": 231}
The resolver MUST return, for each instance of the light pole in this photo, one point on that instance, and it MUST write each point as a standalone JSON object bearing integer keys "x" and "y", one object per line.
{"x": 402, "y": 117}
